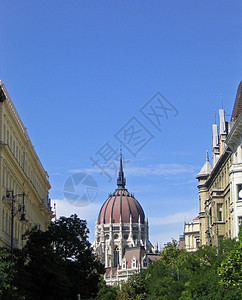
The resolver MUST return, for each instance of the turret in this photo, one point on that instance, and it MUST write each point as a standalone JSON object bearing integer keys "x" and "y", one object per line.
{"x": 202, "y": 176}
{"x": 222, "y": 131}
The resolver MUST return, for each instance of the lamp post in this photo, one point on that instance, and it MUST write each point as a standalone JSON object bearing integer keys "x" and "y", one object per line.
{"x": 21, "y": 208}
{"x": 217, "y": 233}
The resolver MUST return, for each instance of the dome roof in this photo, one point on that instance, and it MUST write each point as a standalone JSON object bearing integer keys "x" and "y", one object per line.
{"x": 121, "y": 205}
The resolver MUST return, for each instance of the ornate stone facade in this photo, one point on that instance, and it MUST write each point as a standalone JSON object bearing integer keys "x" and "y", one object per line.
{"x": 122, "y": 234}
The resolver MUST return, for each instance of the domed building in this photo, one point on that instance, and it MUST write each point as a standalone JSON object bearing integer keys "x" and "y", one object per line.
{"x": 121, "y": 234}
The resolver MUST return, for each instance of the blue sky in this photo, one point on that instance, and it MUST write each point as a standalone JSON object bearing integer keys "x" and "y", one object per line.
{"x": 79, "y": 71}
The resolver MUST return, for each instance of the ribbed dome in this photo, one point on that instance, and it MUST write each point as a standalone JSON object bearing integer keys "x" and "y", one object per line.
{"x": 121, "y": 203}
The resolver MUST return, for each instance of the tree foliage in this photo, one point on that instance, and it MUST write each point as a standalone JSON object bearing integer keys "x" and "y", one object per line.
{"x": 7, "y": 273}
{"x": 186, "y": 276}
{"x": 58, "y": 263}
{"x": 230, "y": 270}
{"x": 107, "y": 292}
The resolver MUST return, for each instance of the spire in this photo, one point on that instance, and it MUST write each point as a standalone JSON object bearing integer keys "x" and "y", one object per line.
{"x": 206, "y": 169}
{"x": 121, "y": 180}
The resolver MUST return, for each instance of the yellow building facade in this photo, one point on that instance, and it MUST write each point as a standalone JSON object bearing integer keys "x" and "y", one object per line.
{"x": 219, "y": 183}
{"x": 24, "y": 184}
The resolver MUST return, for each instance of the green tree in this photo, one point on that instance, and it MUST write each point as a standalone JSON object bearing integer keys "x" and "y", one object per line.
{"x": 230, "y": 271}
{"x": 107, "y": 292}
{"x": 203, "y": 282}
{"x": 7, "y": 273}
{"x": 163, "y": 279}
{"x": 59, "y": 263}
{"x": 133, "y": 289}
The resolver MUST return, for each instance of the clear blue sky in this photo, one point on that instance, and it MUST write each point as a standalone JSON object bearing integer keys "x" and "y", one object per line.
{"x": 78, "y": 71}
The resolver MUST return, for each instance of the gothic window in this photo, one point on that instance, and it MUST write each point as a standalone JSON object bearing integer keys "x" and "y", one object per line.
{"x": 126, "y": 236}
{"x": 116, "y": 256}
{"x": 144, "y": 262}
{"x": 134, "y": 263}
{"x": 106, "y": 236}
{"x": 116, "y": 236}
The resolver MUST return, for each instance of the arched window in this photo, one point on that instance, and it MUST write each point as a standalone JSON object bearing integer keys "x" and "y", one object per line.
{"x": 134, "y": 262}
{"x": 116, "y": 256}
{"x": 144, "y": 262}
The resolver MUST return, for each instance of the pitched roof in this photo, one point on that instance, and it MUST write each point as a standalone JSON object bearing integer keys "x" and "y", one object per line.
{"x": 237, "y": 104}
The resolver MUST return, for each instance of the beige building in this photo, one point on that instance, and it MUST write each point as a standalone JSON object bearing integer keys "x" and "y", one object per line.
{"x": 192, "y": 235}
{"x": 220, "y": 184}
{"x": 24, "y": 184}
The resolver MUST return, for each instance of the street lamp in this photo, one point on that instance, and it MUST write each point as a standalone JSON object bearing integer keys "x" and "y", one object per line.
{"x": 14, "y": 211}
{"x": 217, "y": 233}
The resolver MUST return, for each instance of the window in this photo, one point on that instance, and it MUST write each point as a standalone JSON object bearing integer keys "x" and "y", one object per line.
{"x": 17, "y": 152}
{"x": 134, "y": 263}
{"x": 220, "y": 212}
{"x": 3, "y": 220}
{"x": 23, "y": 160}
{"x": 4, "y": 134}
{"x": 116, "y": 236}
{"x": 239, "y": 191}
{"x": 116, "y": 256}
{"x": 144, "y": 263}
{"x": 240, "y": 221}
{"x": 3, "y": 177}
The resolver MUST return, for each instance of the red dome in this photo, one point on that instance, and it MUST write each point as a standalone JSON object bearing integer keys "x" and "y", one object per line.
{"x": 121, "y": 203}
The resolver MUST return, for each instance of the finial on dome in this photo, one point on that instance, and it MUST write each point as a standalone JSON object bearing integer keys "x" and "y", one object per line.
{"x": 121, "y": 180}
